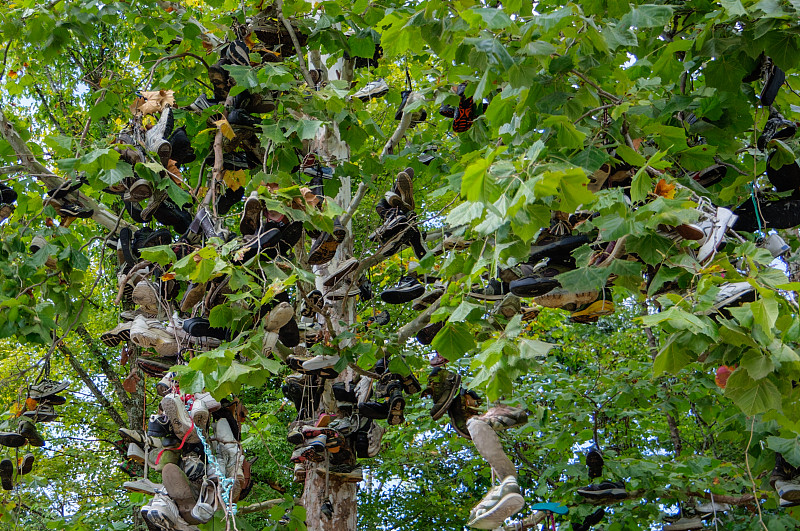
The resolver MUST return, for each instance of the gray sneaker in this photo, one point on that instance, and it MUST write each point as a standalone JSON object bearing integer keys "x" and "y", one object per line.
{"x": 500, "y": 502}
{"x": 155, "y": 138}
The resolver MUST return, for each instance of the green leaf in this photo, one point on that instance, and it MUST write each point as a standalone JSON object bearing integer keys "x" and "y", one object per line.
{"x": 756, "y": 364}
{"x": 788, "y": 448}
{"x": 630, "y": 156}
{"x": 454, "y": 340}
{"x": 734, "y": 8}
{"x": 697, "y": 158}
{"x": 647, "y": 16}
{"x": 476, "y": 184}
{"x": 752, "y": 396}
{"x": 672, "y": 357}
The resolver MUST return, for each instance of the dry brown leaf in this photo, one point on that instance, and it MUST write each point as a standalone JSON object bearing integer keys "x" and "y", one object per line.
{"x": 167, "y": 276}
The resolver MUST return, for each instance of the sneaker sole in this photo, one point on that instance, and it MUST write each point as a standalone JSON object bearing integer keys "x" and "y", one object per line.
{"x": 453, "y": 392}
{"x": 171, "y": 409}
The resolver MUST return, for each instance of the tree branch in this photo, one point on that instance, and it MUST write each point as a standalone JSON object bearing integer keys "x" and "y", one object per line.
{"x": 108, "y": 371}
{"x": 87, "y": 380}
{"x": 264, "y": 505}
{"x": 28, "y": 160}
{"x": 362, "y": 190}
{"x": 411, "y": 328}
{"x": 402, "y": 127}
{"x": 300, "y": 59}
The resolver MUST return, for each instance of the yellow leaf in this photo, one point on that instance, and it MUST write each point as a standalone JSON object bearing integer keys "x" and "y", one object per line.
{"x": 167, "y": 276}
{"x": 12, "y": 74}
{"x": 235, "y": 179}
{"x": 226, "y": 128}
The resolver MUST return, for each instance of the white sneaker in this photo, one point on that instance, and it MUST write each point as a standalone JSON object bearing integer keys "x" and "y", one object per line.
{"x": 179, "y": 418}
{"x": 728, "y": 294}
{"x": 151, "y": 333}
{"x": 320, "y": 362}
{"x": 373, "y": 89}
{"x": 206, "y": 504}
{"x": 715, "y": 233}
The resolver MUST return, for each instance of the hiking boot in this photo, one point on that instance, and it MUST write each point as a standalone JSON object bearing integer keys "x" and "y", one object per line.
{"x": 500, "y": 502}
{"x": 464, "y": 407}
{"x": 406, "y": 290}
{"x": 605, "y": 489}
{"x": 323, "y": 248}
{"x": 374, "y": 410}
{"x": 443, "y": 386}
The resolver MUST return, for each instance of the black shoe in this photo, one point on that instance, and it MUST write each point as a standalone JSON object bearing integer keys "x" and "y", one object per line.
{"x": 60, "y": 192}
{"x": 182, "y": 151}
{"x": 7, "y": 474}
{"x": 27, "y": 430}
{"x": 406, "y": 290}
{"x": 74, "y": 210}
{"x": 169, "y": 214}
{"x": 772, "y": 84}
{"x": 594, "y": 461}
{"x": 590, "y": 521}
{"x": 494, "y": 291}
{"x": 229, "y": 198}
{"x": 134, "y": 211}
{"x": 12, "y": 440}
{"x": 341, "y": 394}
{"x": 265, "y": 242}
{"x": 777, "y": 127}
{"x": 7, "y": 194}
{"x": 242, "y": 119}
{"x": 606, "y": 489}
{"x": 373, "y": 410}
{"x": 322, "y": 249}
{"x": 201, "y": 327}
{"x": 381, "y": 319}
{"x": 426, "y": 335}
{"x": 289, "y": 334}
{"x": 784, "y": 178}
{"x": 159, "y": 426}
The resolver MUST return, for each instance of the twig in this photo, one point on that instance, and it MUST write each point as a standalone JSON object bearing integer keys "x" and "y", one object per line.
{"x": 300, "y": 59}
{"x": 264, "y": 505}
{"x": 412, "y": 327}
{"x": 596, "y": 109}
{"x": 5, "y": 58}
{"x": 750, "y": 474}
{"x": 599, "y": 90}
{"x": 364, "y": 372}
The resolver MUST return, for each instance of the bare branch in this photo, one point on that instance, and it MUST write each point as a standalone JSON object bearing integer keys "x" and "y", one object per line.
{"x": 300, "y": 59}
{"x": 87, "y": 380}
{"x": 402, "y": 127}
{"x": 360, "y": 193}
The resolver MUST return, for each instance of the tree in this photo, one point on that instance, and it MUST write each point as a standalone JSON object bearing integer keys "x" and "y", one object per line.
{"x": 642, "y": 95}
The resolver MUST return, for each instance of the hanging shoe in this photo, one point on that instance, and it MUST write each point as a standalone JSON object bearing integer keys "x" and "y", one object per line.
{"x": 500, "y": 502}
{"x": 373, "y": 89}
